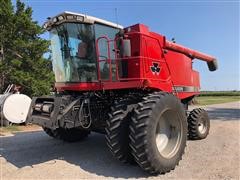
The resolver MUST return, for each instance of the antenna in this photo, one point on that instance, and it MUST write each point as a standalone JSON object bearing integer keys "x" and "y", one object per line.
{"x": 116, "y": 16}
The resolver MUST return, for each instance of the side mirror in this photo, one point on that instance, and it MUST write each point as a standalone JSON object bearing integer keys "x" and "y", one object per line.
{"x": 126, "y": 48}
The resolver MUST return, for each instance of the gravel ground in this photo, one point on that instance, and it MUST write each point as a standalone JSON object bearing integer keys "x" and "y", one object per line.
{"x": 34, "y": 155}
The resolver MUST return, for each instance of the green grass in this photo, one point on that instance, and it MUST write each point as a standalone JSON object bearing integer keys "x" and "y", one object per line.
{"x": 206, "y": 100}
{"x": 220, "y": 93}
{"x": 10, "y": 129}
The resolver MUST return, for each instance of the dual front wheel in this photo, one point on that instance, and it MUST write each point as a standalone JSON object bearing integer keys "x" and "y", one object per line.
{"x": 157, "y": 133}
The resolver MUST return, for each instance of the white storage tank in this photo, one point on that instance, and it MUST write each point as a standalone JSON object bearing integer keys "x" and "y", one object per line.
{"x": 14, "y": 107}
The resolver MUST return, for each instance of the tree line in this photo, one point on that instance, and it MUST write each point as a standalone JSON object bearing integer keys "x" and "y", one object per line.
{"x": 22, "y": 49}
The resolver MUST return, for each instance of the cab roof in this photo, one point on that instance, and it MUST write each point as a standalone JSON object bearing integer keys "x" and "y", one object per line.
{"x": 86, "y": 19}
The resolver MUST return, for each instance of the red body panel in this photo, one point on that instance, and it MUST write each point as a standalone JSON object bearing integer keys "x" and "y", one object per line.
{"x": 154, "y": 63}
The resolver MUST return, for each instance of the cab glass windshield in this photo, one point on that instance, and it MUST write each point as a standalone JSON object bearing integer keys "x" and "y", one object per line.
{"x": 73, "y": 53}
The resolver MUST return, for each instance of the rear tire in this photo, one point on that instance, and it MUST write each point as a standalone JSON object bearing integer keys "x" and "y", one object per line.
{"x": 158, "y": 133}
{"x": 198, "y": 124}
{"x": 68, "y": 135}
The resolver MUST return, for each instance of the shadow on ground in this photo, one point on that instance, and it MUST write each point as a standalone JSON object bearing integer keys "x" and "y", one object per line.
{"x": 91, "y": 155}
{"x": 224, "y": 114}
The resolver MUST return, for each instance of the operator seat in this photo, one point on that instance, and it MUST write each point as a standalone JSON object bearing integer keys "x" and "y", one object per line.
{"x": 82, "y": 50}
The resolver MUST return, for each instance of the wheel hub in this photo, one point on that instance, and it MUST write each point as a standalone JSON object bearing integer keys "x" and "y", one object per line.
{"x": 168, "y": 134}
{"x": 202, "y": 126}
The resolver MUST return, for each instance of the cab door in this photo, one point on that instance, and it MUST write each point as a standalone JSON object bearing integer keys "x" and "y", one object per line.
{"x": 103, "y": 59}
{"x": 106, "y": 52}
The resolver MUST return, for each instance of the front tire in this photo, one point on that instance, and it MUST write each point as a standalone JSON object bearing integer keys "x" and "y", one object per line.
{"x": 117, "y": 132}
{"x": 158, "y": 133}
{"x": 68, "y": 135}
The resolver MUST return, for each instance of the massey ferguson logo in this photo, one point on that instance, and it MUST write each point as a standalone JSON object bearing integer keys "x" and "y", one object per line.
{"x": 155, "y": 69}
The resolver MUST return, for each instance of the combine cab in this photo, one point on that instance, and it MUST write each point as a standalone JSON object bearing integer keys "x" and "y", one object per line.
{"x": 130, "y": 84}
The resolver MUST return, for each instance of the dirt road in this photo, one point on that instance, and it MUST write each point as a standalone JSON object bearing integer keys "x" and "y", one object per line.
{"x": 34, "y": 155}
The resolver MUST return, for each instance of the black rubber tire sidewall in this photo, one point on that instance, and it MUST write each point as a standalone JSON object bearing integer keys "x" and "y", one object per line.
{"x": 194, "y": 132}
{"x": 204, "y": 115}
{"x": 167, "y": 102}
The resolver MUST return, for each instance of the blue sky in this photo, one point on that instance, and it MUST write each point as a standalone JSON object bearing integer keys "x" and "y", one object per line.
{"x": 208, "y": 26}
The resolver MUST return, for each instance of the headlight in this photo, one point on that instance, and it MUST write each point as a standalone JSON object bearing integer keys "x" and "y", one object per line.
{"x": 74, "y": 17}
{"x": 60, "y": 18}
{"x": 54, "y": 20}
{"x": 70, "y": 17}
{"x": 47, "y": 108}
{"x": 45, "y": 25}
{"x": 79, "y": 18}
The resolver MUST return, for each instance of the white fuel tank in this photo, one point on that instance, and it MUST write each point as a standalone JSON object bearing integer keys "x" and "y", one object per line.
{"x": 14, "y": 107}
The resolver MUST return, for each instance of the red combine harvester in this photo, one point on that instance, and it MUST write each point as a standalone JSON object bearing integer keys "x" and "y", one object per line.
{"x": 130, "y": 84}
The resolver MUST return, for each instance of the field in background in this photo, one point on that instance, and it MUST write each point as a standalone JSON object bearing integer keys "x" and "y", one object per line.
{"x": 216, "y": 97}
{"x": 220, "y": 93}
{"x": 207, "y": 100}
